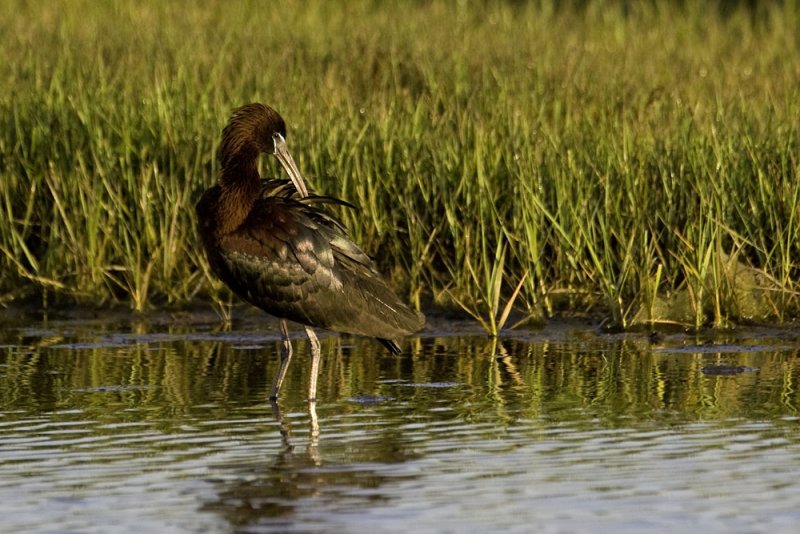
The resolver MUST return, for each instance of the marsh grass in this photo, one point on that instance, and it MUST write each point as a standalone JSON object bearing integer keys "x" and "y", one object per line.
{"x": 607, "y": 158}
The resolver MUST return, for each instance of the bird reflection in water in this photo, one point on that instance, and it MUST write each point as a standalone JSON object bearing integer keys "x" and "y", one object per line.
{"x": 313, "y": 433}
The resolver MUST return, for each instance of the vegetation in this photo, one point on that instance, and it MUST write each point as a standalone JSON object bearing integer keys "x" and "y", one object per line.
{"x": 628, "y": 158}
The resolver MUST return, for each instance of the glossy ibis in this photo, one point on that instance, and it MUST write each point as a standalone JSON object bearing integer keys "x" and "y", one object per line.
{"x": 277, "y": 246}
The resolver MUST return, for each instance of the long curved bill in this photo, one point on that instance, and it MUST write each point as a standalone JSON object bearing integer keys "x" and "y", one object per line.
{"x": 282, "y": 153}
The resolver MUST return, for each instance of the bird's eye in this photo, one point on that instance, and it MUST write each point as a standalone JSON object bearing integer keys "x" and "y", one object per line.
{"x": 277, "y": 139}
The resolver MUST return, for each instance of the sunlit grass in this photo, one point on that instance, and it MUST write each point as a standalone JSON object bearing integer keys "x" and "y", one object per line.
{"x": 620, "y": 157}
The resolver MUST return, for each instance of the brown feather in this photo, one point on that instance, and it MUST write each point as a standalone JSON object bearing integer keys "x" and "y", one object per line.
{"x": 288, "y": 254}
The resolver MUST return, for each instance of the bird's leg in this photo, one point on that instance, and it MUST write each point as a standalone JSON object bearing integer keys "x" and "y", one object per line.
{"x": 315, "y": 353}
{"x": 286, "y": 356}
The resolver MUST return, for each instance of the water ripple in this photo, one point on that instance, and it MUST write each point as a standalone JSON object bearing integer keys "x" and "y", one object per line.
{"x": 557, "y": 436}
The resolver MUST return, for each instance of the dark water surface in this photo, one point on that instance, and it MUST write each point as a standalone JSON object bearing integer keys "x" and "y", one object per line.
{"x": 119, "y": 425}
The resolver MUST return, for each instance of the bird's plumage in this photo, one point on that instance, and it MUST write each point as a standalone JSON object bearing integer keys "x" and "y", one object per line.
{"x": 292, "y": 258}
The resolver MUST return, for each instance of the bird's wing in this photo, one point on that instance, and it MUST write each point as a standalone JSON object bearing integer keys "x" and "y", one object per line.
{"x": 295, "y": 261}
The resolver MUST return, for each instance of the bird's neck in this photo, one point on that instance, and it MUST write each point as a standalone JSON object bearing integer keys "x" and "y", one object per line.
{"x": 239, "y": 188}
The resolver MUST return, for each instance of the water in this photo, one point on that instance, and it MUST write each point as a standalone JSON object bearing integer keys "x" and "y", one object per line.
{"x": 117, "y": 425}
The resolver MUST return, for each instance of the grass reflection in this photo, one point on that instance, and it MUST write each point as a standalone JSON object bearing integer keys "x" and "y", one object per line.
{"x": 613, "y": 378}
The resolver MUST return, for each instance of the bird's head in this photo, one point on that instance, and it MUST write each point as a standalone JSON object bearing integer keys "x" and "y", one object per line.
{"x": 253, "y": 129}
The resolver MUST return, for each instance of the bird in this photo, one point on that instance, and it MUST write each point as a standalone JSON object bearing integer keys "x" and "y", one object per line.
{"x": 279, "y": 247}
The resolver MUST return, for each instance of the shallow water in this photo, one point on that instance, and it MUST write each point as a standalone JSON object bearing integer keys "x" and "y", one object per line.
{"x": 114, "y": 425}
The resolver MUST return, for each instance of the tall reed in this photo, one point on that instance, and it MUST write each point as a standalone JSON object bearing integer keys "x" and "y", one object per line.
{"x": 619, "y": 154}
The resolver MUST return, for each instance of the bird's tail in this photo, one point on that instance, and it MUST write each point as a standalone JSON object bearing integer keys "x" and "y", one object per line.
{"x": 391, "y": 345}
